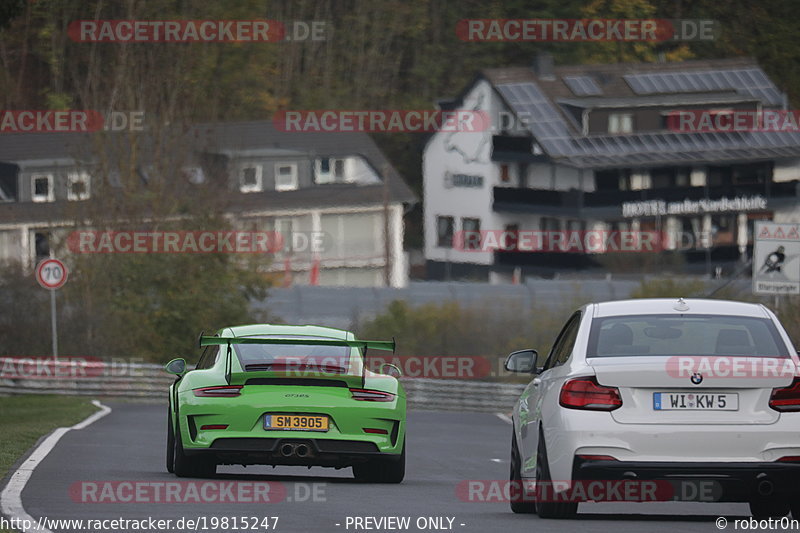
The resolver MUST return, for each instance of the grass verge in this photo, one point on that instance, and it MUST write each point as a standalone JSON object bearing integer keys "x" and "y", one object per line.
{"x": 24, "y": 419}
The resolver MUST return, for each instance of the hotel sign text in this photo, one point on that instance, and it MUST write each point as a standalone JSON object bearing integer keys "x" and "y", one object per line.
{"x": 652, "y": 208}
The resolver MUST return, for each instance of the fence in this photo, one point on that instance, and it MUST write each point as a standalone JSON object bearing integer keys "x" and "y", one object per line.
{"x": 150, "y": 383}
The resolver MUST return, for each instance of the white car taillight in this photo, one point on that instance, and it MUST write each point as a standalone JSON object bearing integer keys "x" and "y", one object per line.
{"x": 586, "y": 393}
{"x": 786, "y": 398}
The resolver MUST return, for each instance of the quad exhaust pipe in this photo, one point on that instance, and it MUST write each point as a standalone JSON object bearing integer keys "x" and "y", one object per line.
{"x": 765, "y": 486}
{"x": 294, "y": 450}
{"x": 287, "y": 450}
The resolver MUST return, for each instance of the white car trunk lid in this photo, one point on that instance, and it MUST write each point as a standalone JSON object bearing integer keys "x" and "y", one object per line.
{"x": 710, "y": 390}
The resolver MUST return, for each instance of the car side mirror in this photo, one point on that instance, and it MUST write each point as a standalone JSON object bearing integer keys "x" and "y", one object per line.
{"x": 390, "y": 370}
{"x": 522, "y": 361}
{"x": 176, "y": 366}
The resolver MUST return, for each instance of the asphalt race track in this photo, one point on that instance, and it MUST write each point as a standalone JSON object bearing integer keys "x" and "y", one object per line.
{"x": 444, "y": 448}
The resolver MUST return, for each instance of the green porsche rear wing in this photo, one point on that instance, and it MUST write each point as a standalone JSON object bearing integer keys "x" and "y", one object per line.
{"x": 208, "y": 340}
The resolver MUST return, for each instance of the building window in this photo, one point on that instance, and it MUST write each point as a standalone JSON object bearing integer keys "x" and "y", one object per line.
{"x": 338, "y": 169}
{"x": 250, "y": 179}
{"x": 661, "y": 178}
{"x": 285, "y": 177}
{"x": 505, "y": 173}
{"x": 620, "y": 123}
{"x": 353, "y": 236}
{"x": 576, "y": 225}
{"x": 668, "y": 177}
{"x": 509, "y": 243}
{"x": 719, "y": 176}
{"x": 8, "y": 183}
{"x": 329, "y": 170}
{"x": 640, "y": 180}
{"x": 78, "y": 186}
{"x": 550, "y": 224}
{"x": 752, "y": 173}
{"x": 285, "y": 228}
{"x": 612, "y": 180}
{"x": 682, "y": 176}
{"x": 444, "y": 232}
{"x": 41, "y": 245}
{"x": 471, "y": 230}
{"x": 42, "y": 188}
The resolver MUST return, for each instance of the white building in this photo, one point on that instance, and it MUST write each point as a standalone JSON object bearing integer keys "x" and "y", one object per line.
{"x": 590, "y": 147}
{"x": 297, "y": 184}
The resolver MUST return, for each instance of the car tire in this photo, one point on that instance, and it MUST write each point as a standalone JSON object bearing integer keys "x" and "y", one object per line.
{"x": 186, "y": 466}
{"x": 762, "y": 509}
{"x": 170, "y": 443}
{"x": 517, "y": 500}
{"x": 382, "y": 470}
{"x": 548, "y": 509}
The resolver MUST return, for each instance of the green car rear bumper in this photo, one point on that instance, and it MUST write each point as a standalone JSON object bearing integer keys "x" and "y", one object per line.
{"x": 358, "y": 430}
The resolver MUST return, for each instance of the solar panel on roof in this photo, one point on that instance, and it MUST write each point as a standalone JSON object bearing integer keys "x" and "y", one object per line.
{"x": 750, "y": 81}
{"x": 550, "y": 130}
{"x": 544, "y": 121}
{"x": 583, "y": 85}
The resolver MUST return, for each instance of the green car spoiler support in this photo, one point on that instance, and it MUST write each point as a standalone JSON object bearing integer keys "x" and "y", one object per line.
{"x": 206, "y": 340}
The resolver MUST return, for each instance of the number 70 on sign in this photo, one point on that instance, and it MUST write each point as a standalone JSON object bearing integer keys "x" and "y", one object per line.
{"x": 51, "y": 274}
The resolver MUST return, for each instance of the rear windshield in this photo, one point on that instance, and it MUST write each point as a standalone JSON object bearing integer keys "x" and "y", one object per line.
{"x": 684, "y": 335}
{"x": 302, "y": 357}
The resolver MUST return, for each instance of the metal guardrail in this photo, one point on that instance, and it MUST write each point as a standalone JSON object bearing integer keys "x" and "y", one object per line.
{"x": 149, "y": 382}
{"x": 92, "y": 379}
{"x": 462, "y": 395}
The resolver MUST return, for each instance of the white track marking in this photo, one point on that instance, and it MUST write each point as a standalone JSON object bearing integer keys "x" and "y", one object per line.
{"x": 503, "y": 417}
{"x": 11, "y": 497}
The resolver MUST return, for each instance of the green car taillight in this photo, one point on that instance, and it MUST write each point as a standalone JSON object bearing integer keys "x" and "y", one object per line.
{"x": 368, "y": 395}
{"x": 222, "y": 391}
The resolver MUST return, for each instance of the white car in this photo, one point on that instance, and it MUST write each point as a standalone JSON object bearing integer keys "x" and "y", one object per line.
{"x": 664, "y": 394}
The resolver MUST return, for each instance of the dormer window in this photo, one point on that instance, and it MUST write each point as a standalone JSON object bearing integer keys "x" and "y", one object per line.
{"x": 329, "y": 170}
{"x": 285, "y": 176}
{"x": 42, "y": 188}
{"x": 250, "y": 179}
{"x": 78, "y": 186}
{"x": 620, "y": 123}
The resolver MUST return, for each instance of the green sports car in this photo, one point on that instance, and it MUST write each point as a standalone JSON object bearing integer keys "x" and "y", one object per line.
{"x": 286, "y": 395}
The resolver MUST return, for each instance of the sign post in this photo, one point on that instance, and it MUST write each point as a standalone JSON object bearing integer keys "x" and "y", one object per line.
{"x": 52, "y": 275}
{"x": 776, "y": 258}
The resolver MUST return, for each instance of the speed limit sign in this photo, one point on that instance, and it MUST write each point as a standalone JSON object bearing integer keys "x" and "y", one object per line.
{"x": 51, "y": 274}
